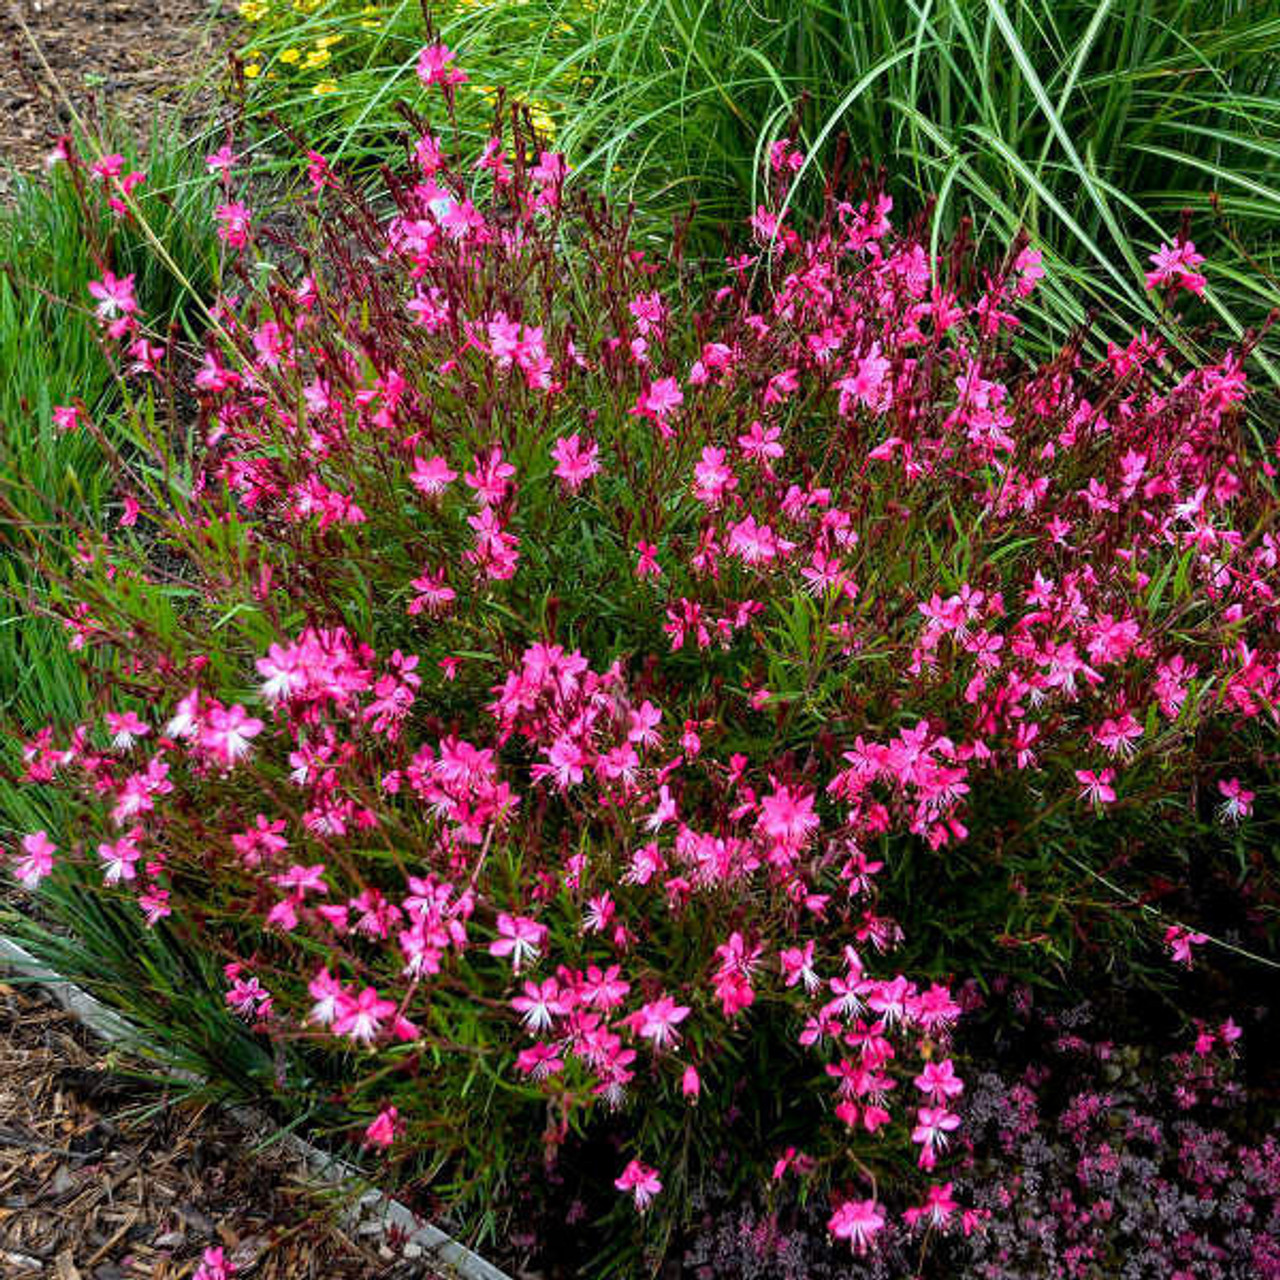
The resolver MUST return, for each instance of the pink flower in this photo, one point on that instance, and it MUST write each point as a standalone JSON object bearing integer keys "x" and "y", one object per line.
{"x": 787, "y": 816}
{"x": 858, "y": 1221}
{"x": 752, "y": 543}
{"x": 641, "y": 1181}
{"x": 431, "y": 476}
{"x": 1096, "y": 787}
{"x": 797, "y": 966}
{"x": 691, "y": 1083}
{"x": 868, "y": 384}
{"x": 59, "y": 154}
{"x": 1237, "y": 802}
{"x": 66, "y": 417}
{"x": 643, "y": 727}
{"x": 317, "y": 171}
{"x": 1029, "y": 270}
{"x": 155, "y": 904}
{"x": 120, "y": 859}
{"x": 362, "y": 1018}
{"x": 1175, "y": 268}
{"x": 760, "y": 443}
{"x": 713, "y": 478}
{"x": 576, "y": 461}
{"x": 658, "y": 402}
{"x": 382, "y": 1131}
{"x": 541, "y": 1004}
{"x": 115, "y": 296}
{"x": 234, "y": 224}
{"x": 228, "y": 733}
{"x": 939, "y": 1081}
{"x": 518, "y": 937}
{"x": 938, "y": 1209}
{"x": 491, "y": 477}
{"x": 302, "y": 880}
{"x": 657, "y": 1021}
{"x": 185, "y": 721}
{"x": 932, "y": 1126}
{"x": 329, "y": 995}
{"x": 222, "y": 160}
{"x": 125, "y": 729}
{"x": 434, "y": 594}
{"x": 434, "y": 68}
{"x": 1180, "y": 940}
{"x": 247, "y": 996}
{"x": 565, "y": 762}
{"x": 38, "y": 863}
{"x": 285, "y": 673}
{"x": 214, "y": 1266}
{"x": 107, "y": 167}
{"x": 540, "y": 1061}
{"x": 648, "y": 566}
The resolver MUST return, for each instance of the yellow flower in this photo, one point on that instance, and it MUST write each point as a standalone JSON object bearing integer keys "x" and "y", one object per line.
{"x": 253, "y": 10}
{"x": 324, "y": 42}
{"x": 322, "y": 87}
{"x": 289, "y": 55}
{"x": 317, "y": 58}
{"x": 542, "y": 120}
{"x": 252, "y": 70}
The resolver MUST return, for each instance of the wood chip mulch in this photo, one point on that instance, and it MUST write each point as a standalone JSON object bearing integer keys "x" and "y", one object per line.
{"x": 133, "y": 59}
{"x": 90, "y": 1191}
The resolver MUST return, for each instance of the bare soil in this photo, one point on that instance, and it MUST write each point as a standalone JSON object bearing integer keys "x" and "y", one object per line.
{"x": 94, "y": 1186}
{"x": 134, "y": 59}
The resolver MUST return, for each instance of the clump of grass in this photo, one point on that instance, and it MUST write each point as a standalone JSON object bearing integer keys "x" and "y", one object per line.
{"x": 48, "y": 339}
{"x": 1092, "y": 125}
{"x": 51, "y": 353}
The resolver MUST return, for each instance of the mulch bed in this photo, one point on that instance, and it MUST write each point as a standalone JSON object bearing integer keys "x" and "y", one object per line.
{"x": 91, "y": 1191}
{"x": 132, "y": 59}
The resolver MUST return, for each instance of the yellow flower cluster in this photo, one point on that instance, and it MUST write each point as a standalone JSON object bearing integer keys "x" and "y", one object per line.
{"x": 315, "y": 58}
{"x": 256, "y": 10}
{"x": 369, "y": 17}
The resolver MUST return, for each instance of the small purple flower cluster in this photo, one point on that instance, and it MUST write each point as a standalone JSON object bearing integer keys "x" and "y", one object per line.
{"x": 1096, "y": 1161}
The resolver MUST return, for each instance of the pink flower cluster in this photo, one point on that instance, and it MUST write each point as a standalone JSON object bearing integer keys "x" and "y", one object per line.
{"x": 636, "y": 813}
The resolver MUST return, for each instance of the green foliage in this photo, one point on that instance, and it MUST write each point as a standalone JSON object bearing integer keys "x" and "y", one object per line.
{"x": 50, "y": 351}
{"x": 51, "y": 355}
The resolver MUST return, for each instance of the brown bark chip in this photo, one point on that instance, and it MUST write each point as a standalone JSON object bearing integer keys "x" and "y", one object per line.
{"x": 91, "y": 1191}
{"x": 133, "y": 59}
